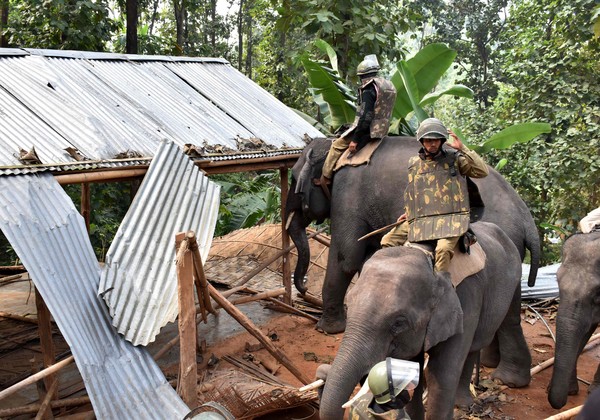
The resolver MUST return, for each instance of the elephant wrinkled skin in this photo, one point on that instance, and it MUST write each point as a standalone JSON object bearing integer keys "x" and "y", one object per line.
{"x": 400, "y": 308}
{"x": 578, "y": 312}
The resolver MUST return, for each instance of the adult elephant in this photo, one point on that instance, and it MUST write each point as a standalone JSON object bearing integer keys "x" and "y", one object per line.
{"x": 368, "y": 197}
{"x": 578, "y": 312}
{"x": 400, "y": 308}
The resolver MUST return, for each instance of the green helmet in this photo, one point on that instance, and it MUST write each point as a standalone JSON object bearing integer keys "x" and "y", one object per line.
{"x": 368, "y": 65}
{"x": 389, "y": 378}
{"x": 432, "y": 128}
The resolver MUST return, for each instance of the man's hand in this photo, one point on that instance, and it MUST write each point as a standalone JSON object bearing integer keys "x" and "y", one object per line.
{"x": 402, "y": 218}
{"x": 455, "y": 143}
{"x": 352, "y": 146}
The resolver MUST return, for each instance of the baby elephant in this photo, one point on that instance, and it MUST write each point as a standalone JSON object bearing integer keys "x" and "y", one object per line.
{"x": 578, "y": 312}
{"x": 400, "y": 308}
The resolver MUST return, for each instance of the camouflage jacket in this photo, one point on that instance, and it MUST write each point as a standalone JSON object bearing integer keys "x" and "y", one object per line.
{"x": 379, "y": 118}
{"x": 359, "y": 410}
{"x": 436, "y": 197}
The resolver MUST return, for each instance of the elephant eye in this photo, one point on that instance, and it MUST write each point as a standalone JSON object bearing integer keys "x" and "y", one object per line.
{"x": 400, "y": 325}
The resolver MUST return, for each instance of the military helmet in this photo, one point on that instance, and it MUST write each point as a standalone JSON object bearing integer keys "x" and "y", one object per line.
{"x": 390, "y": 377}
{"x": 432, "y": 128}
{"x": 368, "y": 65}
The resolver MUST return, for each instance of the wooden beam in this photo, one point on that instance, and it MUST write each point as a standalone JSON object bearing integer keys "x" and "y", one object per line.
{"x": 34, "y": 408}
{"x": 200, "y": 276}
{"x": 86, "y": 204}
{"x": 46, "y": 343}
{"x": 188, "y": 371}
{"x": 258, "y": 296}
{"x": 100, "y": 176}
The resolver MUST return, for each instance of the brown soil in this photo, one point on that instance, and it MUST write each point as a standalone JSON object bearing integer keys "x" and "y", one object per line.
{"x": 307, "y": 349}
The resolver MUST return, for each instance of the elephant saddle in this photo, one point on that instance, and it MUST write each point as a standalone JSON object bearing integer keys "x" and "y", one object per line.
{"x": 361, "y": 157}
{"x": 463, "y": 265}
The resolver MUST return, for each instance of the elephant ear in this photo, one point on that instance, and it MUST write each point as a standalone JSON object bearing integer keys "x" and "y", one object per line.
{"x": 447, "y": 316}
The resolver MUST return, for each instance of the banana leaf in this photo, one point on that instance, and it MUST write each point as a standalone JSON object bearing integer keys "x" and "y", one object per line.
{"x": 328, "y": 49}
{"x": 410, "y": 85}
{"x": 329, "y": 94}
{"x": 518, "y": 133}
{"x": 427, "y": 67}
{"x": 456, "y": 90}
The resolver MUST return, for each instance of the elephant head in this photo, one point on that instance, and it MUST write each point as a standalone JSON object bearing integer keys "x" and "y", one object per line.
{"x": 306, "y": 202}
{"x": 578, "y": 311}
{"x": 391, "y": 312}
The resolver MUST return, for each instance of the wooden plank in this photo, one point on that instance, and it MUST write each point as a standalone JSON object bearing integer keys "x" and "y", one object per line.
{"x": 188, "y": 372}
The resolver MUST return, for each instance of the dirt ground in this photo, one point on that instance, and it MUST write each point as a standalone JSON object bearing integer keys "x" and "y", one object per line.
{"x": 308, "y": 349}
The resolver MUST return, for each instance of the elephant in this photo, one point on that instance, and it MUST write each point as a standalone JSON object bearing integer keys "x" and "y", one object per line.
{"x": 578, "y": 312}
{"x": 368, "y": 197}
{"x": 400, "y": 308}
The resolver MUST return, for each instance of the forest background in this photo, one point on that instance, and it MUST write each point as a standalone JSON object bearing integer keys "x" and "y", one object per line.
{"x": 524, "y": 60}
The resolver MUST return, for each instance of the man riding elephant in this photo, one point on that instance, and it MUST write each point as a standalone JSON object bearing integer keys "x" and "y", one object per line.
{"x": 377, "y": 97}
{"x": 436, "y": 197}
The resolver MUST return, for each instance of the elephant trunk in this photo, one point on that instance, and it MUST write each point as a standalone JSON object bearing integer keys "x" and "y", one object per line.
{"x": 297, "y": 231}
{"x": 571, "y": 326}
{"x": 353, "y": 361}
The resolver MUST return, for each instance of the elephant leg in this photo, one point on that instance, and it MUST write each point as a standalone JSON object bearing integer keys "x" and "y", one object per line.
{"x": 515, "y": 359}
{"x": 596, "y": 382}
{"x": 464, "y": 399}
{"x": 336, "y": 283}
{"x": 490, "y": 355}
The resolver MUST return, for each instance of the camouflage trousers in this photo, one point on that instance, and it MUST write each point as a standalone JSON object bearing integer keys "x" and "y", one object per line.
{"x": 338, "y": 147}
{"x": 444, "y": 248}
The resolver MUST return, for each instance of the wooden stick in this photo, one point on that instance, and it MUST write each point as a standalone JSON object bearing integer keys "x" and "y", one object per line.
{"x": 258, "y": 334}
{"x": 313, "y": 385}
{"x": 200, "y": 275}
{"x": 19, "y": 318}
{"x": 383, "y": 229}
{"x": 312, "y": 299}
{"x": 10, "y": 278}
{"x": 36, "y": 377}
{"x": 46, "y": 402}
{"x": 285, "y": 238}
{"x": 569, "y": 414}
{"x": 188, "y": 374}
{"x": 34, "y": 408}
{"x": 293, "y": 310}
{"x": 102, "y": 176}
{"x": 46, "y": 343}
{"x": 258, "y": 296}
{"x": 546, "y": 363}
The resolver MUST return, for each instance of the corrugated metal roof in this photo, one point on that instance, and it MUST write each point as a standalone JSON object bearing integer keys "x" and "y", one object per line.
{"x": 139, "y": 280}
{"x": 102, "y": 105}
{"x": 49, "y": 236}
{"x": 546, "y": 283}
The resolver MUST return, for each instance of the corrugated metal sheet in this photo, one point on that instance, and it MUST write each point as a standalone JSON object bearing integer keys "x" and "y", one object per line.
{"x": 139, "y": 280}
{"x": 106, "y": 104}
{"x": 546, "y": 283}
{"x": 49, "y": 236}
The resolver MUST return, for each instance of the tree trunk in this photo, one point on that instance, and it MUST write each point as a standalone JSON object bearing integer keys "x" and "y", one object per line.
{"x": 249, "y": 43}
{"x": 179, "y": 19}
{"x": 3, "y": 22}
{"x": 131, "y": 43}
{"x": 240, "y": 35}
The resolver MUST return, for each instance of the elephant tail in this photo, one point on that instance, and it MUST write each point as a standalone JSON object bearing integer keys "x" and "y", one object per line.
{"x": 532, "y": 243}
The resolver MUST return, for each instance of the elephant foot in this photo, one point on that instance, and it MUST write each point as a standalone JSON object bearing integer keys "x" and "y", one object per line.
{"x": 512, "y": 378}
{"x": 329, "y": 326}
{"x": 464, "y": 399}
{"x": 490, "y": 357}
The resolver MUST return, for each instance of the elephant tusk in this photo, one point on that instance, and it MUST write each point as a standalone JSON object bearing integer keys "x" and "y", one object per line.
{"x": 288, "y": 222}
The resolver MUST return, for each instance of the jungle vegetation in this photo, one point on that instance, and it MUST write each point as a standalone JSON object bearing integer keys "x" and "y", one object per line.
{"x": 513, "y": 62}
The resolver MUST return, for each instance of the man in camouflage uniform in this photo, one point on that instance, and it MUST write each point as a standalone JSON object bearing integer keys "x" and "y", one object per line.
{"x": 436, "y": 197}
{"x": 377, "y": 97}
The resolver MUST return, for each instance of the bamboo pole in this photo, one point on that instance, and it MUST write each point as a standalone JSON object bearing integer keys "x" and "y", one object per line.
{"x": 546, "y": 363}
{"x": 53, "y": 390}
{"x": 36, "y": 377}
{"x": 188, "y": 374}
{"x": 259, "y": 296}
{"x": 258, "y": 334}
{"x": 34, "y": 408}
{"x": 569, "y": 414}
{"x": 100, "y": 176}
{"x": 19, "y": 318}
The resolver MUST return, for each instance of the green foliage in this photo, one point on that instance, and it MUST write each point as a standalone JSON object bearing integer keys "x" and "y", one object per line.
{"x": 8, "y": 256}
{"x": 518, "y": 133}
{"x": 247, "y": 200}
{"x": 109, "y": 203}
{"x": 64, "y": 25}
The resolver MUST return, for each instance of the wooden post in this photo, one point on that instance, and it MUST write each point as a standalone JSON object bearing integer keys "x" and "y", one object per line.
{"x": 188, "y": 371}
{"x": 201, "y": 282}
{"x": 85, "y": 204}
{"x": 251, "y": 328}
{"x": 285, "y": 239}
{"x": 46, "y": 343}
{"x": 43, "y": 411}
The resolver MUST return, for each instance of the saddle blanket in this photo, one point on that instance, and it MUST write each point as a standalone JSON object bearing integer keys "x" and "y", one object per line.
{"x": 463, "y": 265}
{"x": 359, "y": 158}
